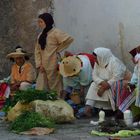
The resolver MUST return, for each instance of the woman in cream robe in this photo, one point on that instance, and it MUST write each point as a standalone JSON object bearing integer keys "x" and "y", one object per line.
{"x": 107, "y": 70}
{"x": 46, "y": 54}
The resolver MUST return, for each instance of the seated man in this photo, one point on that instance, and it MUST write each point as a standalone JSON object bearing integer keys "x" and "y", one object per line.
{"x": 22, "y": 72}
{"x": 106, "y": 90}
{"x": 77, "y": 76}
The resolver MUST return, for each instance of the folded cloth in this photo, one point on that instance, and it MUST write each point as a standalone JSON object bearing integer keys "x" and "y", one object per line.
{"x": 4, "y": 93}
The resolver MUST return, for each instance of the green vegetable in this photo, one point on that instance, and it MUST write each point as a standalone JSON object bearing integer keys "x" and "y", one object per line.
{"x": 31, "y": 94}
{"x": 121, "y": 133}
{"x": 7, "y": 105}
{"x": 97, "y": 133}
{"x": 28, "y": 120}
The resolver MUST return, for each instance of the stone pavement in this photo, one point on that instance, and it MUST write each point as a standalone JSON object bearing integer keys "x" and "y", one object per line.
{"x": 79, "y": 130}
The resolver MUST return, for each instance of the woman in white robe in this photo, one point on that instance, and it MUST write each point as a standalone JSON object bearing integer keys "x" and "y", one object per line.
{"x": 107, "y": 70}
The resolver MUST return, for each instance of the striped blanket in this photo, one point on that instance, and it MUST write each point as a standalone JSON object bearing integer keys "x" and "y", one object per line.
{"x": 122, "y": 97}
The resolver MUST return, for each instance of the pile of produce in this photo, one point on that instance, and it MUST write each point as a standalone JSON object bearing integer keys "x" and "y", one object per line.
{"x": 28, "y": 120}
{"x": 27, "y": 96}
{"x": 115, "y": 129}
{"x": 30, "y": 95}
{"x": 112, "y": 126}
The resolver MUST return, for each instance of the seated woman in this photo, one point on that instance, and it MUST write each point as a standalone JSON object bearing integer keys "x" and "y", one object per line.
{"x": 22, "y": 72}
{"x": 135, "y": 54}
{"x": 135, "y": 83}
{"x": 77, "y": 76}
{"x": 106, "y": 91}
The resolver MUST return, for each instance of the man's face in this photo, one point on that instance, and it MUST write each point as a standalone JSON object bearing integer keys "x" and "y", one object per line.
{"x": 19, "y": 60}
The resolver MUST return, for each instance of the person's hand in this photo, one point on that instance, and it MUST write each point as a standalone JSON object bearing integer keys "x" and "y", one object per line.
{"x": 100, "y": 91}
{"x": 15, "y": 86}
{"x": 131, "y": 87}
{"x": 105, "y": 85}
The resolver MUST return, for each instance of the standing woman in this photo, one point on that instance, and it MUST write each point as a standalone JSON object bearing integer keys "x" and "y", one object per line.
{"x": 50, "y": 42}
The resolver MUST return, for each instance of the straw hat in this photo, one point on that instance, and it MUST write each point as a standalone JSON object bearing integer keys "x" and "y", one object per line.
{"x": 70, "y": 66}
{"x": 18, "y": 53}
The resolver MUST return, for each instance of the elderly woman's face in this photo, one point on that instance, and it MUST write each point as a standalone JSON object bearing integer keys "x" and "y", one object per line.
{"x": 41, "y": 23}
{"x": 19, "y": 61}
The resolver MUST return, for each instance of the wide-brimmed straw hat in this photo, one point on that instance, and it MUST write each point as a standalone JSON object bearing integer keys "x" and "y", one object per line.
{"x": 19, "y": 52}
{"x": 70, "y": 66}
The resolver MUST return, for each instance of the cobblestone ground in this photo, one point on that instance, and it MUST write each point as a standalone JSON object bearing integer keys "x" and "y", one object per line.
{"x": 79, "y": 130}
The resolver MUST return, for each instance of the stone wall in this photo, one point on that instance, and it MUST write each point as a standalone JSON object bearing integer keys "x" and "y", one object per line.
{"x": 18, "y": 26}
{"x": 108, "y": 23}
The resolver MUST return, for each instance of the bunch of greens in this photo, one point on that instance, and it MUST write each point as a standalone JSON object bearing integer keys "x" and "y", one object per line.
{"x": 28, "y": 120}
{"x": 7, "y": 105}
{"x": 29, "y": 95}
{"x": 119, "y": 134}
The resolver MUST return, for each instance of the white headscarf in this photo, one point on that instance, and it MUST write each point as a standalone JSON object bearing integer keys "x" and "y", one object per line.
{"x": 103, "y": 56}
